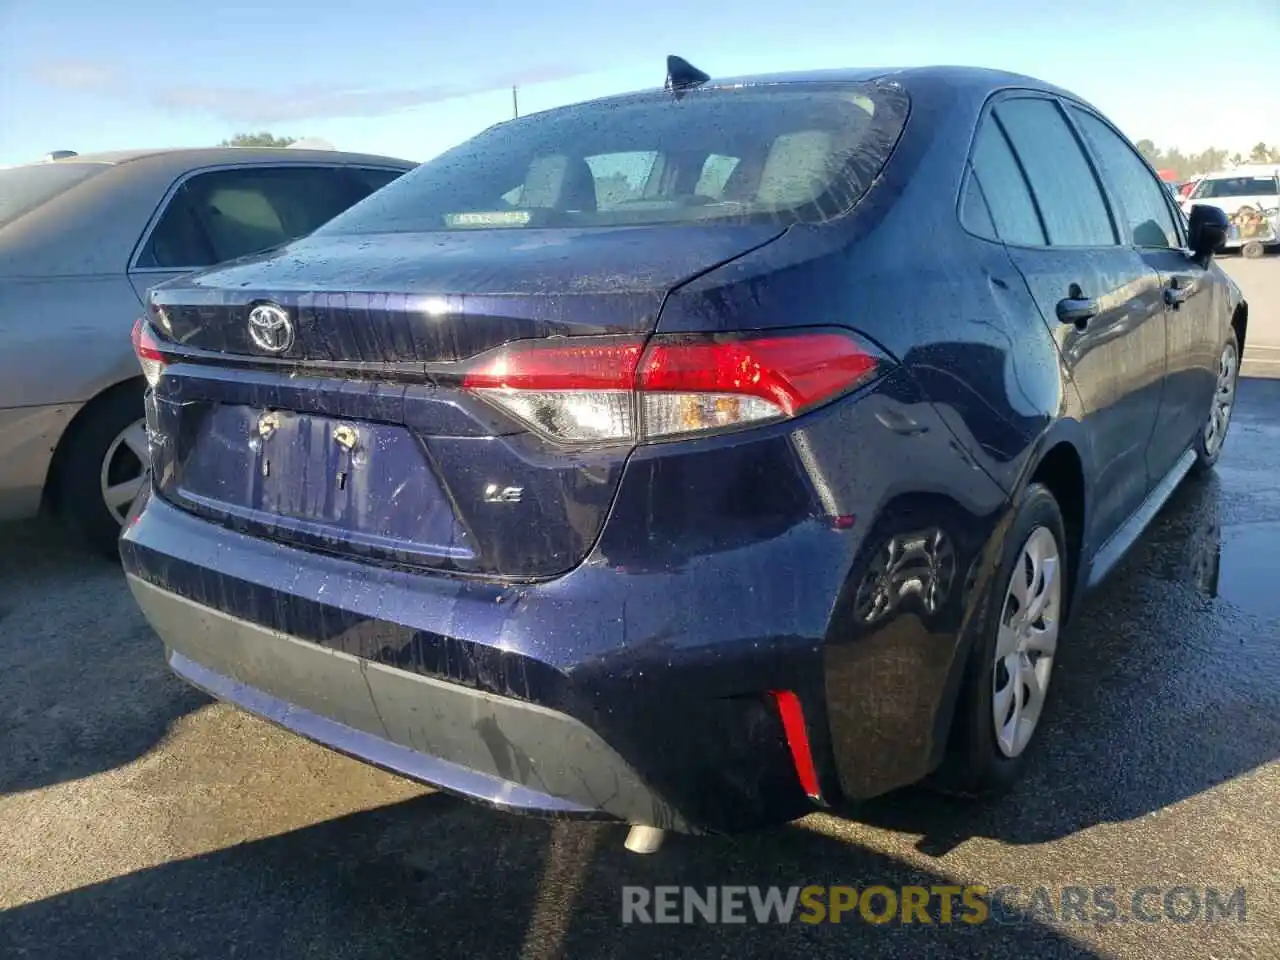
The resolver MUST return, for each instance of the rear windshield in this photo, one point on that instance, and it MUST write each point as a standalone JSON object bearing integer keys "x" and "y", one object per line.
{"x": 22, "y": 189}
{"x": 1238, "y": 187}
{"x": 785, "y": 152}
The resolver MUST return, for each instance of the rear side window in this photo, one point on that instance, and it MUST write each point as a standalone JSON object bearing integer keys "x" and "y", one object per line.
{"x": 974, "y": 214}
{"x": 1144, "y": 216}
{"x": 369, "y": 179}
{"x": 1223, "y": 187}
{"x": 781, "y": 153}
{"x": 1008, "y": 197}
{"x": 1066, "y": 191}
{"x": 24, "y": 188}
{"x": 225, "y": 214}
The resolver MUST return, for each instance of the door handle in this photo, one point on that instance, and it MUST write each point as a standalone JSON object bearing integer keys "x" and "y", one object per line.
{"x": 1077, "y": 310}
{"x": 1178, "y": 292}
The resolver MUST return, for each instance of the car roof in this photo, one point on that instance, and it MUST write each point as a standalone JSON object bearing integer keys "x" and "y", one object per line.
{"x": 970, "y": 80}
{"x": 96, "y": 224}
{"x": 203, "y": 156}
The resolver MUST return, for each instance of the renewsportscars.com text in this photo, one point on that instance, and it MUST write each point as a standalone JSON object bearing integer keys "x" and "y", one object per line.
{"x": 937, "y": 904}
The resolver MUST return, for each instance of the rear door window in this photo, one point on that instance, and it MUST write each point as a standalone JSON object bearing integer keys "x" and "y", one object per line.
{"x": 974, "y": 213}
{"x": 1067, "y": 194}
{"x": 779, "y": 154}
{"x": 369, "y": 179}
{"x": 1145, "y": 217}
{"x": 225, "y": 214}
{"x": 1008, "y": 197}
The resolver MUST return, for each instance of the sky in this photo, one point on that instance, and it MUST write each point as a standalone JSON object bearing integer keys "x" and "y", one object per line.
{"x": 410, "y": 78}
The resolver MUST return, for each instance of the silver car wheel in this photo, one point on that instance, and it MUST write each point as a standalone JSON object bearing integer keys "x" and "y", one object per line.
{"x": 1224, "y": 399}
{"x": 1027, "y": 641}
{"x": 126, "y": 468}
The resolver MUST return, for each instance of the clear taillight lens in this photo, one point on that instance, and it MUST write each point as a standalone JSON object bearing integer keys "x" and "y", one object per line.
{"x": 617, "y": 390}
{"x": 147, "y": 348}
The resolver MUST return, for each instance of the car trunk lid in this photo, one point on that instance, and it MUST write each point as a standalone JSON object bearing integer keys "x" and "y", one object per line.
{"x": 356, "y": 437}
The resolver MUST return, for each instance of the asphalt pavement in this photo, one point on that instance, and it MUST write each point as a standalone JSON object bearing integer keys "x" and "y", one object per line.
{"x": 138, "y": 819}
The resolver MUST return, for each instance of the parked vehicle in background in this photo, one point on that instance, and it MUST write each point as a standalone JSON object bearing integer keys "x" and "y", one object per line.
{"x": 81, "y": 240}
{"x": 640, "y": 459}
{"x": 1250, "y": 196}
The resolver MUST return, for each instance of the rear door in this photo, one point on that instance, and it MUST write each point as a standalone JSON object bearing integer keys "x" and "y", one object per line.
{"x": 227, "y": 212}
{"x": 1192, "y": 333}
{"x": 1101, "y": 301}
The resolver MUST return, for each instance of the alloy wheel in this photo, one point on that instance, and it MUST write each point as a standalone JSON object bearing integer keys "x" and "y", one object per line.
{"x": 126, "y": 468}
{"x": 1026, "y": 642}
{"x": 1224, "y": 399}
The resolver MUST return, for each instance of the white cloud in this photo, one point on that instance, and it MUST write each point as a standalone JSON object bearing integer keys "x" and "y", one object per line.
{"x": 262, "y": 105}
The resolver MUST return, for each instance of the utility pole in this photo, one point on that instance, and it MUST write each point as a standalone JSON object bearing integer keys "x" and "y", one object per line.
{"x": 515, "y": 104}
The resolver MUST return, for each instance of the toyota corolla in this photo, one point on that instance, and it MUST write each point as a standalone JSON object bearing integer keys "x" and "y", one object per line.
{"x": 694, "y": 458}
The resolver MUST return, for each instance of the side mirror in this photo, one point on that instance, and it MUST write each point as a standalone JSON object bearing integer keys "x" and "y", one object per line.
{"x": 1207, "y": 230}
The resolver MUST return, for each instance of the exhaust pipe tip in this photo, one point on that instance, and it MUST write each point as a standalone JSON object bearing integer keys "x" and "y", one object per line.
{"x": 644, "y": 840}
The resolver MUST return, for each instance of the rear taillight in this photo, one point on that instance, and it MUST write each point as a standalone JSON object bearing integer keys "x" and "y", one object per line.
{"x": 150, "y": 356}
{"x": 617, "y": 390}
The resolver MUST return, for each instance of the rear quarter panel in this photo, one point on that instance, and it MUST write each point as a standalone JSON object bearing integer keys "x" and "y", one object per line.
{"x": 950, "y": 307}
{"x": 64, "y": 339}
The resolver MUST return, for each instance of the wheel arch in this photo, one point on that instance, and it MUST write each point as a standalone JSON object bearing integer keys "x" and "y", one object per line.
{"x": 1061, "y": 471}
{"x": 73, "y": 430}
{"x": 1240, "y": 323}
{"x": 1060, "y": 462}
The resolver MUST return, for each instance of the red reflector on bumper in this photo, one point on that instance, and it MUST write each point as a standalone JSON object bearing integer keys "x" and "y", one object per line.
{"x": 798, "y": 740}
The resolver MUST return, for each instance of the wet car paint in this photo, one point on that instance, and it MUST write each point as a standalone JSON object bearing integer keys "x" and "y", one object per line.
{"x": 924, "y": 461}
{"x": 1165, "y": 720}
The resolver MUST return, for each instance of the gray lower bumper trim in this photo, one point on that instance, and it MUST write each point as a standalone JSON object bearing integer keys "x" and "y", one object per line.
{"x": 504, "y": 752}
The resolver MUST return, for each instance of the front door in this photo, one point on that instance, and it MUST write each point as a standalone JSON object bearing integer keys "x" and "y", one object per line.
{"x": 1192, "y": 333}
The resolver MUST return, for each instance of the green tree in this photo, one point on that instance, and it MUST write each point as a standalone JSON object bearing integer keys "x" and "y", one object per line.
{"x": 263, "y": 139}
{"x": 1206, "y": 161}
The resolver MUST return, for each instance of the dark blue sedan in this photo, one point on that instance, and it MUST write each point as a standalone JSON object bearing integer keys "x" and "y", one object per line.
{"x": 693, "y": 458}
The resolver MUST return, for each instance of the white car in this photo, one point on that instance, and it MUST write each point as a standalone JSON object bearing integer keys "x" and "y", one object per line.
{"x": 1250, "y": 196}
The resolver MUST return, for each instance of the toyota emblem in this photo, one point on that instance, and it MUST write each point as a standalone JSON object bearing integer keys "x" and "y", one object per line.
{"x": 270, "y": 328}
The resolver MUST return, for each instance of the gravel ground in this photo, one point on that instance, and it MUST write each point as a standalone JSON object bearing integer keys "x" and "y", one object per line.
{"x": 138, "y": 819}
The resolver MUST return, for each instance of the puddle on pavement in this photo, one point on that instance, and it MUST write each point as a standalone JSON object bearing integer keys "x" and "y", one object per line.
{"x": 1249, "y": 555}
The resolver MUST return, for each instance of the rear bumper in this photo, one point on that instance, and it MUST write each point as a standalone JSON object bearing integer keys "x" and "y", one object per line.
{"x": 637, "y": 685}
{"x": 591, "y": 696}
{"x": 504, "y": 752}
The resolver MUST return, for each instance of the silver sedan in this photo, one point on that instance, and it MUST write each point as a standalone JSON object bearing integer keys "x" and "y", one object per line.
{"x": 81, "y": 240}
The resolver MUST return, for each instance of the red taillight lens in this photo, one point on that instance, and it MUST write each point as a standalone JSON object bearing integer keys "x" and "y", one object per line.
{"x": 147, "y": 347}
{"x": 694, "y": 387}
{"x": 616, "y": 390}
{"x": 558, "y": 365}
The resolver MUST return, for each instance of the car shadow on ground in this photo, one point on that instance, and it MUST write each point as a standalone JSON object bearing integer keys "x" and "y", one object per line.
{"x": 83, "y": 683}
{"x": 437, "y": 877}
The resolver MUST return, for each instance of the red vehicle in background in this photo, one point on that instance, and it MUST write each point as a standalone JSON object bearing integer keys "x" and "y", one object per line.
{"x": 1170, "y": 178}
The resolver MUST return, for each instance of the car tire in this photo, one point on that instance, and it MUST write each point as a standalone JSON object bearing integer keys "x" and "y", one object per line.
{"x": 985, "y": 756}
{"x": 1252, "y": 250}
{"x": 105, "y": 451}
{"x": 1213, "y": 435}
